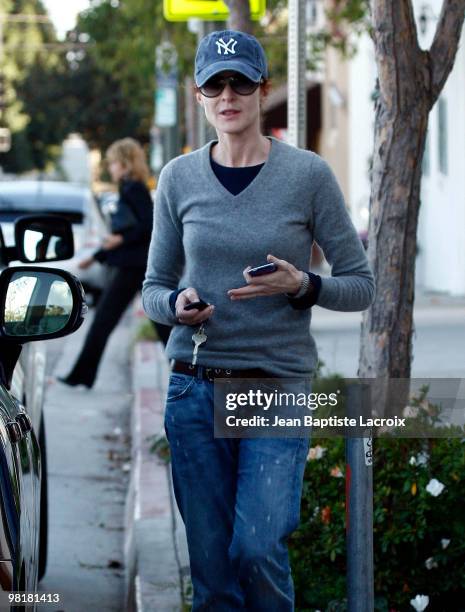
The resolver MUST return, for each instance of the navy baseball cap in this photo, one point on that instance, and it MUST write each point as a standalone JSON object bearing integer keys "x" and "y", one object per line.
{"x": 230, "y": 50}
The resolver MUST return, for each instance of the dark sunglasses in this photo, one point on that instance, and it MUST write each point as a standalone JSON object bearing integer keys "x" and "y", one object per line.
{"x": 239, "y": 83}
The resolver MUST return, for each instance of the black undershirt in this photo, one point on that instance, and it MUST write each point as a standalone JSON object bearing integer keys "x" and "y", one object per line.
{"x": 235, "y": 179}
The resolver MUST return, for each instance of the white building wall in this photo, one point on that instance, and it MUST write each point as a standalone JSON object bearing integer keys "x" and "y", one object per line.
{"x": 441, "y": 235}
{"x": 441, "y": 232}
{"x": 361, "y": 117}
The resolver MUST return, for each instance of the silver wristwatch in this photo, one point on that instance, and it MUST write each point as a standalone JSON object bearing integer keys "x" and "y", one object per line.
{"x": 304, "y": 287}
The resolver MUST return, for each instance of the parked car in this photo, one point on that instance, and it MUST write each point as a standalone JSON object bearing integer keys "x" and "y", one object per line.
{"x": 74, "y": 202}
{"x": 36, "y": 304}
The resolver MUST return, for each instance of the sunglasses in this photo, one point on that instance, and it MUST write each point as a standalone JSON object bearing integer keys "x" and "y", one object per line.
{"x": 239, "y": 83}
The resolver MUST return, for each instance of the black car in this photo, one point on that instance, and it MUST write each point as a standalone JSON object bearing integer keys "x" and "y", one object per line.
{"x": 73, "y": 202}
{"x": 36, "y": 304}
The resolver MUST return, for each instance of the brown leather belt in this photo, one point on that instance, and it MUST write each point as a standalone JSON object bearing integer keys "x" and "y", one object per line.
{"x": 210, "y": 374}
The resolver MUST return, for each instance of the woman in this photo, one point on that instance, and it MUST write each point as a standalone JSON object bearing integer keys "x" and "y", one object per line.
{"x": 124, "y": 252}
{"x": 239, "y": 201}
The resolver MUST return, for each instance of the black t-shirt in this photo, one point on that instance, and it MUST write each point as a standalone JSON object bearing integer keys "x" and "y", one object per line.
{"x": 235, "y": 179}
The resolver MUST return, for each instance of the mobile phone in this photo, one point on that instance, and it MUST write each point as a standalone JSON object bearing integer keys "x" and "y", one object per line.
{"x": 199, "y": 305}
{"x": 265, "y": 269}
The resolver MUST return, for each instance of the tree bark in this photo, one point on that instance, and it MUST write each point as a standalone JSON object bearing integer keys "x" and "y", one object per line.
{"x": 239, "y": 15}
{"x": 410, "y": 81}
{"x": 445, "y": 44}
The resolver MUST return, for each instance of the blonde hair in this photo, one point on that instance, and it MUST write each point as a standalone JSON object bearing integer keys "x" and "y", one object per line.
{"x": 130, "y": 154}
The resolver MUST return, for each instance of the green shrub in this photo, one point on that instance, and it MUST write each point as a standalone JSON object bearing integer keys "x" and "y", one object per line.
{"x": 412, "y": 527}
{"x": 145, "y": 331}
{"x": 160, "y": 446}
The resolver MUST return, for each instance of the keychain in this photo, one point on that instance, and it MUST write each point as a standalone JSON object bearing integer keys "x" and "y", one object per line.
{"x": 200, "y": 337}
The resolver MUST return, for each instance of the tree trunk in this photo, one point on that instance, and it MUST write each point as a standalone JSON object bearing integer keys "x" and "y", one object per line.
{"x": 410, "y": 80}
{"x": 386, "y": 345}
{"x": 239, "y": 15}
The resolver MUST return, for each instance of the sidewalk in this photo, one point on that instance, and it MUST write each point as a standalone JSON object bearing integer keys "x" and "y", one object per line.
{"x": 157, "y": 565}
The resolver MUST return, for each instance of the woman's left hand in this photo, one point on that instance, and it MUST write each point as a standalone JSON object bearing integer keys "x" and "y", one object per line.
{"x": 86, "y": 263}
{"x": 112, "y": 241}
{"x": 286, "y": 279}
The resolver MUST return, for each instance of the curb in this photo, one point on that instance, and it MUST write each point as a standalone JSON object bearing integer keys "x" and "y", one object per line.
{"x": 155, "y": 548}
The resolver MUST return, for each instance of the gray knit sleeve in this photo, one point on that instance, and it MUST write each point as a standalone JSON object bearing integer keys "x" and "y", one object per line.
{"x": 166, "y": 254}
{"x": 351, "y": 286}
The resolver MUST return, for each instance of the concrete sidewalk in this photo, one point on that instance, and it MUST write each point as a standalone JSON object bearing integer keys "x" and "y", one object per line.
{"x": 157, "y": 565}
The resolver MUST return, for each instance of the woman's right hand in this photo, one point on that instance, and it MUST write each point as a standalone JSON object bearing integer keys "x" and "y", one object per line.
{"x": 191, "y": 317}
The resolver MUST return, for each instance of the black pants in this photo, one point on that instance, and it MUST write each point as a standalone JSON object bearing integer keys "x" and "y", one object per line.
{"x": 121, "y": 290}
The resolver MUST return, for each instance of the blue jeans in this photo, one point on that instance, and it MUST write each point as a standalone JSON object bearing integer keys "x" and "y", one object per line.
{"x": 239, "y": 500}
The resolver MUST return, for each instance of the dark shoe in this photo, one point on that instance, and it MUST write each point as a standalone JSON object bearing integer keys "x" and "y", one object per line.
{"x": 72, "y": 383}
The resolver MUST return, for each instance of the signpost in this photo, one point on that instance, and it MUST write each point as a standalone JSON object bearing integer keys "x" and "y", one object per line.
{"x": 166, "y": 67}
{"x": 296, "y": 68}
{"x": 205, "y": 131}
{"x": 166, "y": 101}
{"x": 209, "y": 10}
{"x": 359, "y": 509}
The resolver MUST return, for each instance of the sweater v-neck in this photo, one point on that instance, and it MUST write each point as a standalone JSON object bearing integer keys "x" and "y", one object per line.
{"x": 252, "y": 186}
{"x": 235, "y": 178}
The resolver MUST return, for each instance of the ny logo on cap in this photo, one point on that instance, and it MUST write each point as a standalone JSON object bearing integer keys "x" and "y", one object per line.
{"x": 226, "y": 46}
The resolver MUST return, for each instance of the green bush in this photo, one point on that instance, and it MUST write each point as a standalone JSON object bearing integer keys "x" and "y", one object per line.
{"x": 419, "y": 538}
{"x": 145, "y": 331}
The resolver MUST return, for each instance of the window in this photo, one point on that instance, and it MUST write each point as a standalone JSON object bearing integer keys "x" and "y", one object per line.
{"x": 311, "y": 12}
{"x": 442, "y": 135}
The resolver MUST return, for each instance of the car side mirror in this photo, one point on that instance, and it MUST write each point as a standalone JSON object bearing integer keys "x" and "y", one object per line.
{"x": 39, "y": 303}
{"x": 43, "y": 238}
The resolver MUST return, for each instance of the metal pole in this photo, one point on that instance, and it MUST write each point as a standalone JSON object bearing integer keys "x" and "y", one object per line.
{"x": 167, "y": 107}
{"x": 205, "y": 131}
{"x": 359, "y": 510}
{"x": 296, "y": 69}
{"x": 190, "y": 112}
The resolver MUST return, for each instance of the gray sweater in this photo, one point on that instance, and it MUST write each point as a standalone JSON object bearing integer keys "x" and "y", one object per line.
{"x": 204, "y": 236}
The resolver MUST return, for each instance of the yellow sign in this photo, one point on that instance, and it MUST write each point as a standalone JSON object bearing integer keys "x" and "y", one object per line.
{"x": 209, "y": 10}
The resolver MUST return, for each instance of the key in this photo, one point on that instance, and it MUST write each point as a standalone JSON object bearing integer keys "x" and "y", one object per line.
{"x": 198, "y": 338}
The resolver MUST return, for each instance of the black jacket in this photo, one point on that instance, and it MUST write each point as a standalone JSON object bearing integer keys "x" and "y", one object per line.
{"x": 133, "y": 252}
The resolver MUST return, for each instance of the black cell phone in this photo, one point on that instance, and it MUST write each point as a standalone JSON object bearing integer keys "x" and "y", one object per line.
{"x": 265, "y": 269}
{"x": 199, "y": 305}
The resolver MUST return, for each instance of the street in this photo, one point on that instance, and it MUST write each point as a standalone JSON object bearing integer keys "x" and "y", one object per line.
{"x": 88, "y": 453}
{"x": 438, "y": 339}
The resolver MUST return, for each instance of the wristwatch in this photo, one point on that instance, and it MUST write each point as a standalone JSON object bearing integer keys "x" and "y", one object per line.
{"x": 305, "y": 287}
